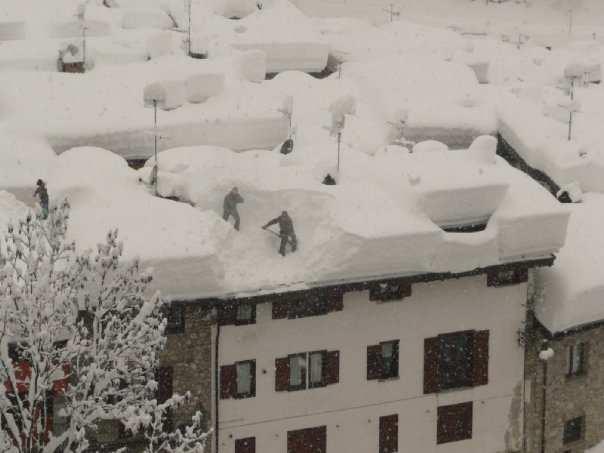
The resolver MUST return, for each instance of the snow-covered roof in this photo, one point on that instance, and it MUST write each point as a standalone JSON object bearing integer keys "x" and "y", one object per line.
{"x": 374, "y": 222}
{"x": 574, "y": 288}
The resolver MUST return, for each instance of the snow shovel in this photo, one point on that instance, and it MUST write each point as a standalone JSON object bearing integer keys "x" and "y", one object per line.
{"x": 289, "y": 241}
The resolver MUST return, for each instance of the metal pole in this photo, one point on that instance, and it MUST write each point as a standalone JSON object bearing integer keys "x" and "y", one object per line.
{"x": 570, "y": 21}
{"x": 543, "y": 411}
{"x": 570, "y": 113}
{"x": 155, "y": 145}
{"x": 189, "y": 44}
{"x": 84, "y": 45}
{"x": 339, "y": 140}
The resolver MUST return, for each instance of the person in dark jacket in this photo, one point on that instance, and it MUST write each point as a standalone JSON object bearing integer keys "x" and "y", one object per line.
{"x": 229, "y": 207}
{"x": 42, "y": 195}
{"x": 286, "y": 231}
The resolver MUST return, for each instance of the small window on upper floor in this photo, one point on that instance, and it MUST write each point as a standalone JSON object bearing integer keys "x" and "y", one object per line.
{"x": 576, "y": 359}
{"x": 175, "y": 315}
{"x": 389, "y": 291}
{"x": 506, "y": 276}
{"x": 307, "y": 370}
{"x": 237, "y": 313}
{"x": 309, "y": 303}
{"x": 382, "y": 360}
{"x": 573, "y": 430}
{"x": 238, "y": 380}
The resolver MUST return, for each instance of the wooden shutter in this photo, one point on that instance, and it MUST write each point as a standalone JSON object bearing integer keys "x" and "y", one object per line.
{"x": 309, "y": 440}
{"x": 388, "y": 441}
{"x": 247, "y": 445}
{"x": 331, "y": 368}
{"x": 375, "y": 369}
{"x": 280, "y": 310}
{"x": 431, "y": 362}
{"x": 164, "y": 377}
{"x": 282, "y": 374}
{"x": 454, "y": 423}
{"x": 228, "y": 381}
{"x": 480, "y": 358}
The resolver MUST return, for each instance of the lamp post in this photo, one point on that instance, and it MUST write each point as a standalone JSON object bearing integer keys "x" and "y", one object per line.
{"x": 545, "y": 354}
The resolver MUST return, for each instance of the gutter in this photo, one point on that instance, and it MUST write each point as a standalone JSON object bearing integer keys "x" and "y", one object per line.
{"x": 216, "y": 389}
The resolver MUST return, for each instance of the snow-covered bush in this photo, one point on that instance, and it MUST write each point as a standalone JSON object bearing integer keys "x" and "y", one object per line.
{"x": 79, "y": 328}
{"x": 169, "y": 94}
{"x": 200, "y": 87}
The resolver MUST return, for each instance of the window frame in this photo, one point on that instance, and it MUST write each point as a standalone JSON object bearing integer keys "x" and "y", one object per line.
{"x": 303, "y": 384}
{"x": 581, "y": 370}
{"x": 396, "y": 354}
{"x": 384, "y": 443}
{"x": 566, "y": 434}
{"x": 323, "y": 354}
{"x": 252, "y": 392}
{"x": 243, "y": 321}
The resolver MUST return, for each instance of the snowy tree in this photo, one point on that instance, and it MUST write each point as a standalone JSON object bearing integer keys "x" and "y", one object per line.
{"x": 82, "y": 331}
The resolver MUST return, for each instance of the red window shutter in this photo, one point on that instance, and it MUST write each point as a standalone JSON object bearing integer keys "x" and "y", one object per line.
{"x": 431, "y": 361}
{"x": 480, "y": 358}
{"x": 388, "y": 441}
{"x": 331, "y": 371}
{"x": 164, "y": 378}
{"x": 454, "y": 422}
{"x": 282, "y": 374}
{"x": 375, "y": 368}
{"x": 247, "y": 445}
{"x": 280, "y": 310}
{"x": 227, "y": 314}
{"x": 228, "y": 381}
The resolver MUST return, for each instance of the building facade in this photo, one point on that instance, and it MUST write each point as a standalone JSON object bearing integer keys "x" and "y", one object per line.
{"x": 428, "y": 363}
{"x": 571, "y": 384}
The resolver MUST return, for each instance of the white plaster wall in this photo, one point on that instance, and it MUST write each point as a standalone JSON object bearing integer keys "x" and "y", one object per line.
{"x": 351, "y": 408}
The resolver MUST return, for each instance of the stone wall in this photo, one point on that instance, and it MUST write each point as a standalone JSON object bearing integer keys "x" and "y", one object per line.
{"x": 190, "y": 356}
{"x": 566, "y": 397}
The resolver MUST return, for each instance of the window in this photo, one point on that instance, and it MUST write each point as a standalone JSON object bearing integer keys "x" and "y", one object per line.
{"x": 454, "y": 423}
{"x": 308, "y": 303}
{"x": 506, "y": 276}
{"x": 247, "y": 445}
{"x": 456, "y": 360}
{"x": 573, "y": 430}
{"x": 309, "y": 440}
{"x": 164, "y": 377}
{"x": 238, "y": 380}
{"x": 175, "y": 316}
{"x": 388, "y": 441}
{"x": 389, "y": 291}
{"x": 382, "y": 360}
{"x": 246, "y": 314}
{"x": 307, "y": 370}
{"x": 576, "y": 359}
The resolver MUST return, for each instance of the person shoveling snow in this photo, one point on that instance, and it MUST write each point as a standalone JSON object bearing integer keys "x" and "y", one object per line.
{"x": 230, "y": 206}
{"x": 286, "y": 231}
{"x": 42, "y": 195}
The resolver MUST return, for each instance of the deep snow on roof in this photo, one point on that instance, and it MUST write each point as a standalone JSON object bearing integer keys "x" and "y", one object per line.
{"x": 382, "y": 217}
{"x": 574, "y": 287}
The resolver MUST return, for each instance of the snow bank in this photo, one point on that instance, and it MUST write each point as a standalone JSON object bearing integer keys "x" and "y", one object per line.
{"x": 146, "y": 18}
{"x": 441, "y": 99}
{"x": 11, "y": 209}
{"x": 279, "y": 29}
{"x": 176, "y": 240}
{"x": 200, "y": 87}
{"x": 251, "y": 65}
{"x": 23, "y": 161}
{"x": 573, "y": 288}
{"x": 112, "y": 115}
